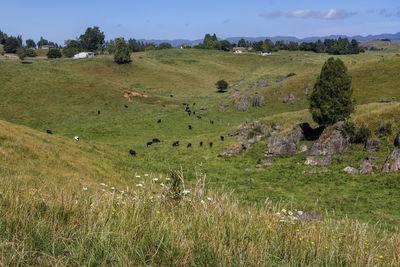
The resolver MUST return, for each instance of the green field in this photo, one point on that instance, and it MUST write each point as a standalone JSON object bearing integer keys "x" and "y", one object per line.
{"x": 64, "y": 95}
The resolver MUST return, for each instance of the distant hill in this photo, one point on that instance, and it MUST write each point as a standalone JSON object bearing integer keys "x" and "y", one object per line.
{"x": 178, "y": 42}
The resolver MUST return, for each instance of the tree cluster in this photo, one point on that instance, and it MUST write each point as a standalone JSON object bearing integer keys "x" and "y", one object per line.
{"x": 212, "y": 42}
{"x": 340, "y": 46}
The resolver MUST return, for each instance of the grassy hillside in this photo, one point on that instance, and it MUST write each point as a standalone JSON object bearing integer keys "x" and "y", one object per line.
{"x": 65, "y": 95}
{"x": 383, "y": 45}
{"x": 65, "y": 203}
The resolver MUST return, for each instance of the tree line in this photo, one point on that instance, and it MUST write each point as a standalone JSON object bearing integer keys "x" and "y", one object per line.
{"x": 341, "y": 46}
{"x": 94, "y": 40}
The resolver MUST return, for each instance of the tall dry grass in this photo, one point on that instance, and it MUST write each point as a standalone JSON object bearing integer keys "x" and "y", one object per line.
{"x": 160, "y": 221}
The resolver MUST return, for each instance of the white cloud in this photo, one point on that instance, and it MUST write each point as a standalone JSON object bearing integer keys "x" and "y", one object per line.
{"x": 326, "y": 14}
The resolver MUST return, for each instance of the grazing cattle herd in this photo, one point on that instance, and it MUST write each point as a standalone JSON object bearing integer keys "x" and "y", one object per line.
{"x": 156, "y": 140}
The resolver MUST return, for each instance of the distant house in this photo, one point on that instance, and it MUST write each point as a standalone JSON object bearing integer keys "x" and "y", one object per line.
{"x": 46, "y": 47}
{"x": 84, "y": 55}
{"x": 238, "y": 50}
{"x": 266, "y": 53}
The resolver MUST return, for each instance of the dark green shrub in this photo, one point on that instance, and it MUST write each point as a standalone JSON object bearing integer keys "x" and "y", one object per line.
{"x": 222, "y": 85}
{"x": 349, "y": 129}
{"x": 54, "y": 53}
{"x": 69, "y": 51}
{"x": 21, "y": 53}
{"x": 122, "y": 54}
{"x": 290, "y": 74}
{"x": 385, "y": 129}
{"x": 30, "y": 52}
{"x": 362, "y": 135}
{"x": 332, "y": 97}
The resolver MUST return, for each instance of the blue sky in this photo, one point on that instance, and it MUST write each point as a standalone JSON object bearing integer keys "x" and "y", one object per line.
{"x": 186, "y": 19}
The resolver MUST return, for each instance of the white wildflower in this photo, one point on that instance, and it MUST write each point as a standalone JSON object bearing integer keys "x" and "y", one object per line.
{"x": 185, "y": 192}
{"x": 137, "y": 176}
{"x": 155, "y": 179}
{"x": 139, "y": 185}
{"x": 146, "y": 174}
{"x": 209, "y": 198}
{"x": 162, "y": 184}
{"x": 85, "y": 189}
{"x": 112, "y": 188}
{"x": 300, "y": 212}
{"x": 103, "y": 190}
{"x": 167, "y": 179}
{"x": 290, "y": 213}
{"x": 103, "y": 184}
{"x": 283, "y": 210}
{"x": 202, "y": 201}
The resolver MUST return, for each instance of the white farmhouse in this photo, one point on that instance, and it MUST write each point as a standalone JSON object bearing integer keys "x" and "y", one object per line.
{"x": 266, "y": 53}
{"x": 84, "y": 55}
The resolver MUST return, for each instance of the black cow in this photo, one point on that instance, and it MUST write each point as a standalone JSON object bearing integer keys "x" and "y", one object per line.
{"x": 189, "y": 145}
{"x": 132, "y": 152}
{"x": 176, "y": 143}
{"x": 194, "y": 104}
{"x": 211, "y": 144}
{"x": 156, "y": 140}
{"x": 98, "y": 112}
{"x": 190, "y": 127}
{"x": 125, "y": 106}
{"x": 222, "y": 138}
{"x": 194, "y": 112}
{"x": 211, "y": 121}
{"x": 201, "y": 143}
{"x": 49, "y": 131}
{"x": 184, "y": 104}
{"x": 198, "y": 117}
{"x": 171, "y": 95}
{"x": 149, "y": 144}
{"x": 159, "y": 121}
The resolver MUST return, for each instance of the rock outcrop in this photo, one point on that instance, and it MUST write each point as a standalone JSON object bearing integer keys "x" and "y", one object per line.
{"x": 258, "y": 100}
{"x": 350, "y": 170}
{"x": 257, "y": 131}
{"x": 332, "y": 141}
{"x": 284, "y": 144}
{"x": 372, "y": 144}
{"x": 366, "y": 167}
{"x": 392, "y": 163}
{"x": 242, "y": 147}
{"x": 242, "y": 102}
{"x": 318, "y": 161}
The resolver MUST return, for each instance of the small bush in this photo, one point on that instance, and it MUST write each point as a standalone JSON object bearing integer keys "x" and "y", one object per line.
{"x": 362, "y": 135}
{"x": 54, "y": 53}
{"x": 21, "y": 53}
{"x": 349, "y": 129}
{"x": 290, "y": 74}
{"x": 30, "y": 52}
{"x": 385, "y": 129}
{"x": 356, "y": 135}
{"x": 69, "y": 51}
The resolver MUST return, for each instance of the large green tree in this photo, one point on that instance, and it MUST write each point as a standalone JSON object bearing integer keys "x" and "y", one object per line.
{"x": 30, "y": 43}
{"x": 42, "y": 42}
{"x": 122, "y": 54}
{"x": 332, "y": 97}
{"x": 12, "y": 43}
{"x": 92, "y": 39}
